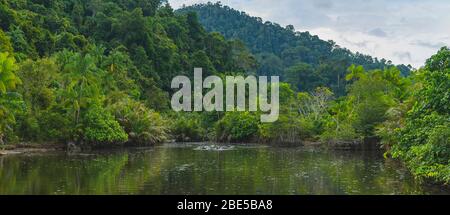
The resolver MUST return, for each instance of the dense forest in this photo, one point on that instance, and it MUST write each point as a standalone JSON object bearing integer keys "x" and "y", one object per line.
{"x": 95, "y": 71}
{"x": 98, "y": 73}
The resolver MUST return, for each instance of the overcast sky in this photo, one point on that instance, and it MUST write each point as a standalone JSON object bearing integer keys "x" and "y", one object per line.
{"x": 404, "y": 31}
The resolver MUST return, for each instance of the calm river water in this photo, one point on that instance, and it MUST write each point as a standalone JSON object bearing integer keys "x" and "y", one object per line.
{"x": 198, "y": 169}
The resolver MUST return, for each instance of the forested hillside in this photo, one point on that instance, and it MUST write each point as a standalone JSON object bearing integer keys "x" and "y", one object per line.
{"x": 302, "y": 59}
{"x": 90, "y": 71}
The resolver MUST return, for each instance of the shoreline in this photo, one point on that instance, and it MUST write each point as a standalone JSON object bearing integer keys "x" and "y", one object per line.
{"x": 25, "y": 148}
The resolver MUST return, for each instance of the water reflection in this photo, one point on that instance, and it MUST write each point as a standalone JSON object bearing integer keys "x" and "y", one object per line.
{"x": 184, "y": 169}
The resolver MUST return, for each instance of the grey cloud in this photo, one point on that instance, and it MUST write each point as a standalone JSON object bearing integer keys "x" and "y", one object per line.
{"x": 428, "y": 44}
{"x": 362, "y": 44}
{"x": 305, "y": 14}
{"x": 378, "y": 32}
{"x": 403, "y": 55}
{"x": 323, "y": 4}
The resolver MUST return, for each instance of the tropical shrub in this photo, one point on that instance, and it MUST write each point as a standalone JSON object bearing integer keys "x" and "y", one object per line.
{"x": 423, "y": 139}
{"x": 237, "y": 127}
{"x": 100, "y": 127}
{"x": 55, "y": 125}
{"x": 142, "y": 125}
{"x": 286, "y": 129}
{"x": 187, "y": 127}
{"x": 339, "y": 125}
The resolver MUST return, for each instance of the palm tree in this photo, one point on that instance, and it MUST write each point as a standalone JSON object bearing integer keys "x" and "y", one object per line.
{"x": 355, "y": 72}
{"x": 81, "y": 80}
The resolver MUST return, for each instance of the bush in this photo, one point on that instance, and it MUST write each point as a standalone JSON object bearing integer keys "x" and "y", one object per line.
{"x": 343, "y": 132}
{"x": 423, "y": 142}
{"x": 339, "y": 126}
{"x": 28, "y": 127}
{"x": 290, "y": 128}
{"x": 55, "y": 126}
{"x": 237, "y": 127}
{"x": 188, "y": 127}
{"x": 430, "y": 160}
{"x": 424, "y": 145}
{"x": 100, "y": 127}
{"x": 143, "y": 125}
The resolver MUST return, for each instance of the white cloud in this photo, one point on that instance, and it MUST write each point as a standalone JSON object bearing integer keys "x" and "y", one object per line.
{"x": 382, "y": 28}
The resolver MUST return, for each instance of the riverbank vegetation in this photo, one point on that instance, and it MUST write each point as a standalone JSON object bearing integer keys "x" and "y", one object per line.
{"x": 97, "y": 73}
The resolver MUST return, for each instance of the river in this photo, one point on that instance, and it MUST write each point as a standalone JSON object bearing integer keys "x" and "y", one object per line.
{"x": 201, "y": 169}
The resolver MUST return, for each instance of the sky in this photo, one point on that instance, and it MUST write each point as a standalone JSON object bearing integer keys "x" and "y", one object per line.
{"x": 404, "y": 31}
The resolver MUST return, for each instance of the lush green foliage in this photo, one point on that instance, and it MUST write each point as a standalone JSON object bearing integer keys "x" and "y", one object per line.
{"x": 300, "y": 116}
{"x": 370, "y": 95}
{"x": 89, "y": 66}
{"x": 9, "y": 102}
{"x": 100, "y": 127}
{"x": 188, "y": 127}
{"x": 237, "y": 127}
{"x": 5, "y": 43}
{"x": 423, "y": 138}
{"x": 143, "y": 125}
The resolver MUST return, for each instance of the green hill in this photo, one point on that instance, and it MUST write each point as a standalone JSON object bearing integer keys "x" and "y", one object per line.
{"x": 300, "y": 58}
